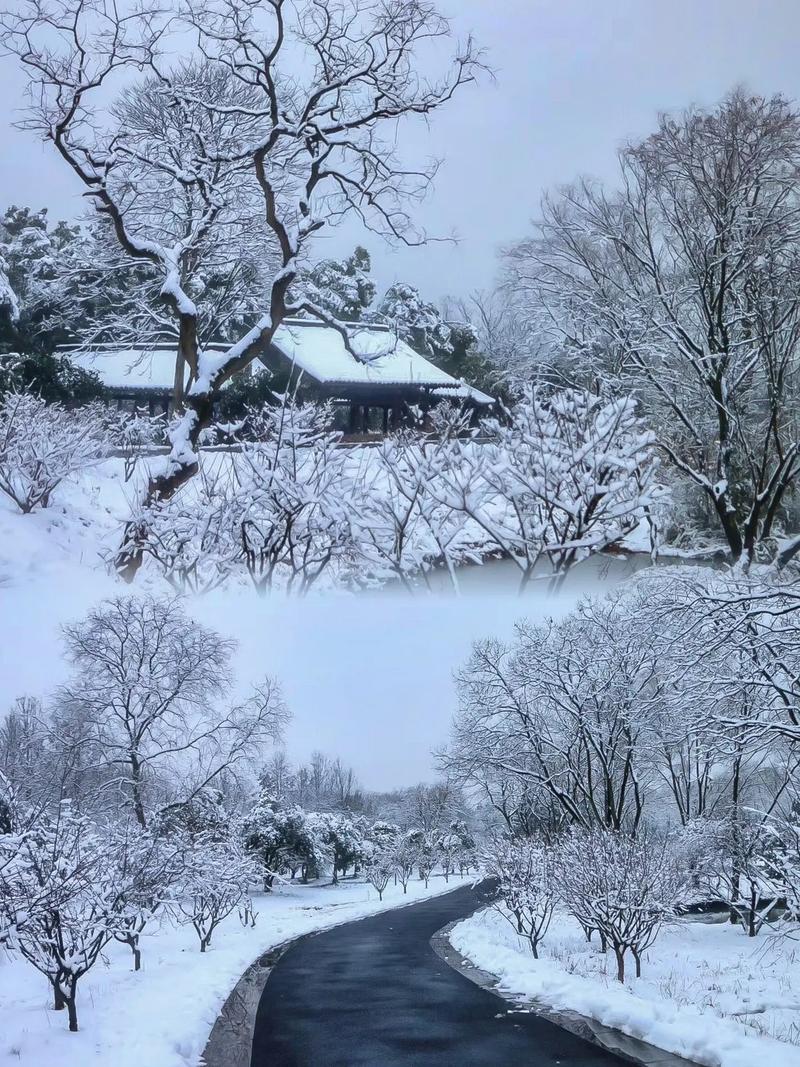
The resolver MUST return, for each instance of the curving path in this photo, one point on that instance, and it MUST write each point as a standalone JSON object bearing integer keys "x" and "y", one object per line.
{"x": 374, "y": 993}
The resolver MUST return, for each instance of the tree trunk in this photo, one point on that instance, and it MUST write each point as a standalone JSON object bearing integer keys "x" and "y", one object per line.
{"x": 59, "y": 1003}
{"x": 620, "y": 957}
{"x": 72, "y": 1010}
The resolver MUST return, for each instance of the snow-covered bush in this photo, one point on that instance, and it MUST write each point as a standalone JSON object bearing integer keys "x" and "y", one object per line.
{"x": 189, "y": 536}
{"x": 289, "y": 510}
{"x": 622, "y": 886}
{"x": 528, "y": 886}
{"x": 563, "y": 476}
{"x": 134, "y": 434}
{"x": 41, "y": 445}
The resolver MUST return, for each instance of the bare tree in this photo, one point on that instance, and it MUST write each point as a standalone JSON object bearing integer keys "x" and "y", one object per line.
{"x": 145, "y": 692}
{"x": 568, "y": 711}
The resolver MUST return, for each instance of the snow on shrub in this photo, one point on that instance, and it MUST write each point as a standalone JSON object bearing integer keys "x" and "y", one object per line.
{"x": 41, "y": 445}
{"x": 622, "y": 886}
{"x": 527, "y": 875}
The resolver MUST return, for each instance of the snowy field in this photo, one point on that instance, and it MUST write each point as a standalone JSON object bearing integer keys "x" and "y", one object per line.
{"x": 400, "y": 649}
{"x": 707, "y": 991}
{"x": 164, "y": 1014}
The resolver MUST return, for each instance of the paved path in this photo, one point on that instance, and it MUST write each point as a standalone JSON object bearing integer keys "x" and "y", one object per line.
{"x": 374, "y": 993}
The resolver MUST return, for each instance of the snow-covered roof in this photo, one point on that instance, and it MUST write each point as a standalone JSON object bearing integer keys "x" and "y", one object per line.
{"x": 466, "y": 392}
{"x": 381, "y": 357}
{"x": 128, "y": 368}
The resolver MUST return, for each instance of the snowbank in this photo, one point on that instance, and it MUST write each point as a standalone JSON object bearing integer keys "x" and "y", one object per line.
{"x": 707, "y": 992}
{"x": 162, "y": 1016}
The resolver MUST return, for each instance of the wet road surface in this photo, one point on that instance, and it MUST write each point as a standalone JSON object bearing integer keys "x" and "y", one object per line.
{"x": 374, "y": 993}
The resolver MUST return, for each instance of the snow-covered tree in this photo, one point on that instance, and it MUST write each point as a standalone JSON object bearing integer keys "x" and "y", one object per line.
{"x": 418, "y": 322}
{"x": 343, "y": 288}
{"x": 307, "y": 132}
{"x": 61, "y": 898}
{"x": 41, "y": 445}
{"x": 215, "y": 882}
{"x": 528, "y": 885}
{"x": 680, "y": 281}
{"x": 145, "y": 692}
{"x": 405, "y": 856}
{"x": 378, "y": 869}
{"x": 624, "y": 887}
{"x": 568, "y": 711}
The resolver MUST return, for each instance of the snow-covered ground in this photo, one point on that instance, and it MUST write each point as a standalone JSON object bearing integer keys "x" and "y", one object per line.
{"x": 162, "y": 1016}
{"x": 707, "y": 991}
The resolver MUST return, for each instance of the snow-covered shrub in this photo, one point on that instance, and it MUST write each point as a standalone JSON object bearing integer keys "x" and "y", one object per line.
{"x": 526, "y": 871}
{"x": 41, "y": 445}
{"x": 563, "y": 476}
{"x": 289, "y": 512}
{"x": 134, "y": 434}
{"x": 190, "y": 535}
{"x": 622, "y": 886}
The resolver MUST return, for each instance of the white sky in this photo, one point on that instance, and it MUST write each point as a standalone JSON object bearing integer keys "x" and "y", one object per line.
{"x": 574, "y": 78}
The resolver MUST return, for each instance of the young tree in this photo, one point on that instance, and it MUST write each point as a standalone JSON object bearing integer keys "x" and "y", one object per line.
{"x": 528, "y": 885}
{"x": 622, "y": 886}
{"x": 378, "y": 869}
{"x": 215, "y": 884}
{"x": 144, "y": 690}
{"x": 61, "y": 899}
{"x": 405, "y": 857}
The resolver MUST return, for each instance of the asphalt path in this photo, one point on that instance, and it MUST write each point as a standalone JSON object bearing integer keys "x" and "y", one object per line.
{"x": 374, "y": 992}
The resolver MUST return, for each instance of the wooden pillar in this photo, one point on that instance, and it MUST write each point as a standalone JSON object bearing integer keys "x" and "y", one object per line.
{"x": 396, "y": 415}
{"x": 353, "y": 419}
{"x": 365, "y": 419}
{"x": 385, "y": 420}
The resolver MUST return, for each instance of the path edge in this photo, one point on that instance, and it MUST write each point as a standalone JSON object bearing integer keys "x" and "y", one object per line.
{"x": 629, "y": 1049}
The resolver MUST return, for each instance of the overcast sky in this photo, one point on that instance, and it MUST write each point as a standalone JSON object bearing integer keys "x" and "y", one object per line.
{"x": 573, "y": 79}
